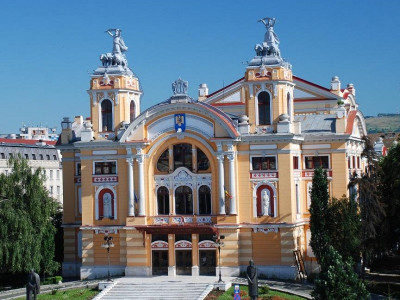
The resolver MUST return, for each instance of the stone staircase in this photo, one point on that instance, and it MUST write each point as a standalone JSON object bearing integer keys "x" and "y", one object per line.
{"x": 156, "y": 291}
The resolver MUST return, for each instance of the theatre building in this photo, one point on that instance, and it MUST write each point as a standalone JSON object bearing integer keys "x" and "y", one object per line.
{"x": 236, "y": 163}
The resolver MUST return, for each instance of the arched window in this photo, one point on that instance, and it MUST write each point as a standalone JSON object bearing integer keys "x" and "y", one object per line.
{"x": 106, "y": 204}
{"x": 106, "y": 115}
{"x": 132, "y": 111}
{"x": 264, "y": 109}
{"x": 163, "y": 201}
{"x": 183, "y": 200}
{"x": 204, "y": 200}
{"x": 265, "y": 201}
{"x": 183, "y": 156}
{"x": 202, "y": 161}
{"x": 163, "y": 162}
{"x": 288, "y": 105}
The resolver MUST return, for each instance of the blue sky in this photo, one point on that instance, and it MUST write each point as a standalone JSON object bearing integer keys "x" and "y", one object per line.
{"x": 49, "y": 48}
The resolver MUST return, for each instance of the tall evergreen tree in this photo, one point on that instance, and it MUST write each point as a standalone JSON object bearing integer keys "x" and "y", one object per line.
{"x": 371, "y": 206}
{"x": 26, "y": 216}
{"x": 390, "y": 191}
{"x": 337, "y": 279}
{"x": 319, "y": 214}
{"x": 343, "y": 225}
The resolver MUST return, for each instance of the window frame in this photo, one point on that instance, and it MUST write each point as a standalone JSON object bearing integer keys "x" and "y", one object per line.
{"x": 258, "y": 110}
{"x": 101, "y": 116}
{"x": 264, "y": 156}
{"x": 313, "y": 164}
{"x": 105, "y": 161}
{"x": 199, "y": 199}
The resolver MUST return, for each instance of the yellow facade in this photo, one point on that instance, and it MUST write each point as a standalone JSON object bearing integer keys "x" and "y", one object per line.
{"x": 234, "y": 167}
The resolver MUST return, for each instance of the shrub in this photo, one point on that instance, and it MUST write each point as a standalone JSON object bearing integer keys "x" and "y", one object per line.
{"x": 264, "y": 289}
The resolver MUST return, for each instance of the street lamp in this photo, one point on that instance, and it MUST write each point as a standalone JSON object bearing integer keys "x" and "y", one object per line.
{"x": 219, "y": 244}
{"x": 108, "y": 244}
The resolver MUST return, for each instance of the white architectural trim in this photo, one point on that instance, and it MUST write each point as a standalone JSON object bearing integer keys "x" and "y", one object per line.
{"x": 255, "y": 188}
{"x": 96, "y": 200}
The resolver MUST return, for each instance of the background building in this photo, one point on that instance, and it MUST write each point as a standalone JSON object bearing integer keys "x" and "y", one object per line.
{"x": 40, "y": 154}
{"x": 236, "y": 163}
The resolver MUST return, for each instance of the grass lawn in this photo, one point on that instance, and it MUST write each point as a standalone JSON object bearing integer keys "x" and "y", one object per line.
{"x": 271, "y": 295}
{"x": 81, "y": 294}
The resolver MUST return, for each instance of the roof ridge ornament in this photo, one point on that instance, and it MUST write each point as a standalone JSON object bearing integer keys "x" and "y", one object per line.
{"x": 179, "y": 88}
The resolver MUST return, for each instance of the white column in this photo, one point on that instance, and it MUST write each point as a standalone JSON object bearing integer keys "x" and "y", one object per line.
{"x": 131, "y": 183}
{"x": 232, "y": 183}
{"x": 140, "y": 160}
{"x": 221, "y": 184}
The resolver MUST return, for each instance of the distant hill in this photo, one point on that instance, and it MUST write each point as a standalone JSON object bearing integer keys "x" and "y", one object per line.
{"x": 383, "y": 123}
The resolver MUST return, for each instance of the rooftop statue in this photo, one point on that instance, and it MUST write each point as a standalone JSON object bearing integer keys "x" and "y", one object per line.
{"x": 270, "y": 46}
{"x": 179, "y": 87}
{"x": 268, "y": 52}
{"x": 117, "y": 57}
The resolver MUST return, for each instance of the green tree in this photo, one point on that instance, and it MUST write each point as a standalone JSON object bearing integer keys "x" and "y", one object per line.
{"x": 26, "y": 220}
{"x": 337, "y": 279}
{"x": 343, "y": 225}
{"x": 372, "y": 209}
{"x": 390, "y": 191}
{"x": 320, "y": 239}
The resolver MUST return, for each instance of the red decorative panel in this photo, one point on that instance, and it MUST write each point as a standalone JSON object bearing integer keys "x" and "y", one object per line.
{"x": 101, "y": 179}
{"x": 263, "y": 175}
{"x": 159, "y": 245}
{"x": 183, "y": 245}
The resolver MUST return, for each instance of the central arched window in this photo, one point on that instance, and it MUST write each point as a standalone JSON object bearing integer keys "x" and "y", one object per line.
{"x": 183, "y": 200}
{"x": 106, "y": 115}
{"x": 264, "y": 109}
{"x": 183, "y": 156}
{"x": 202, "y": 161}
{"x": 204, "y": 200}
{"x": 132, "y": 111}
{"x": 163, "y": 201}
{"x": 163, "y": 162}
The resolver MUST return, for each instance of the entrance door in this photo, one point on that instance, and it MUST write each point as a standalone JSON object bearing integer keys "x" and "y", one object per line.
{"x": 207, "y": 262}
{"x": 183, "y": 262}
{"x": 160, "y": 262}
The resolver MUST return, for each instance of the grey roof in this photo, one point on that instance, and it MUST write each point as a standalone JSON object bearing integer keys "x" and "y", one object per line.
{"x": 317, "y": 124}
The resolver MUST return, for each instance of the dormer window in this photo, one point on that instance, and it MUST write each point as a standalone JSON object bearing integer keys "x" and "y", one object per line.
{"x": 264, "y": 108}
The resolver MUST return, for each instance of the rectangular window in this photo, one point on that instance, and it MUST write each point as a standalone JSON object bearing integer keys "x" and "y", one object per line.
{"x": 348, "y": 163}
{"x": 58, "y": 190}
{"x": 26, "y": 156}
{"x": 51, "y": 189}
{"x": 354, "y": 162}
{"x": 105, "y": 167}
{"x": 58, "y": 174}
{"x": 263, "y": 163}
{"x": 47, "y": 156}
{"x": 54, "y": 157}
{"x": 41, "y": 156}
{"x": 3, "y": 156}
{"x": 358, "y": 162}
{"x": 34, "y": 156}
{"x": 10, "y": 155}
{"x": 78, "y": 169}
{"x": 313, "y": 162}
{"x": 295, "y": 162}
{"x": 51, "y": 174}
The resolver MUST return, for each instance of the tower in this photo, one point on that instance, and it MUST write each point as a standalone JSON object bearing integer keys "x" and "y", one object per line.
{"x": 270, "y": 86}
{"x": 114, "y": 91}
